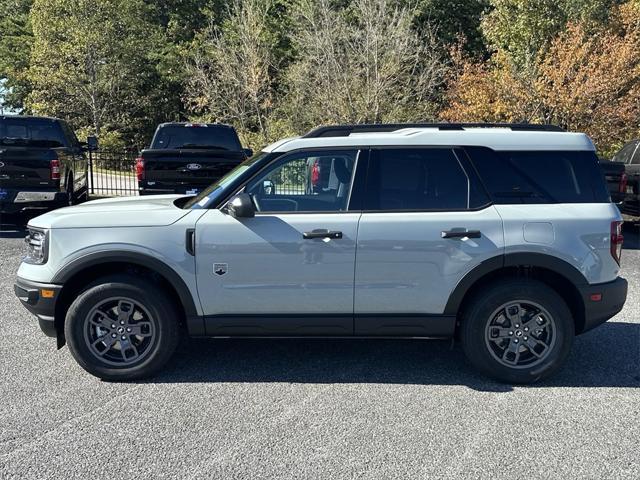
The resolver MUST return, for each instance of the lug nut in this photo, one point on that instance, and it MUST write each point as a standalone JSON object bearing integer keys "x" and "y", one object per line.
{"x": 113, "y": 326}
{"x": 510, "y": 333}
{"x": 121, "y": 322}
{"x": 517, "y": 325}
{"x": 516, "y": 340}
{"x": 113, "y": 335}
{"x": 128, "y": 329}
{"x": 526, "y": 329}
{"x": 123, "y": 337}
{"x": 526, "y": 338}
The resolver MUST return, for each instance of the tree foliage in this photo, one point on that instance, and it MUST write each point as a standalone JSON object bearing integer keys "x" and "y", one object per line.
{"x": 362, "y": 63}
{"x": 278, "y": 67}
{"x": 15, "y": 47}
{"x": 584, "y": 81}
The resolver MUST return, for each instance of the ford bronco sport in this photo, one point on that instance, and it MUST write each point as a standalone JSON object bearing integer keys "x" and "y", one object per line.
{"x": 502, "y": 236}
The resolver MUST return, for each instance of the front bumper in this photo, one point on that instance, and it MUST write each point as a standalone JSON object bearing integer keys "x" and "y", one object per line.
{"x": 612, "y": 296}
{"x": 40, "y": 299}
{"x": 25, "y": 199}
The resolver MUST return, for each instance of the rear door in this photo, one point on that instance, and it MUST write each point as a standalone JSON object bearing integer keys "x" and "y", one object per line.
{"x": 425, "y": 224}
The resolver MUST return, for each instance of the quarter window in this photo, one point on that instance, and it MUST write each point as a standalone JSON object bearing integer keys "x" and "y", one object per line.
{"x": 540, "y": 176}
{"x": 318, "y": 181}
{"x": 416, "y": 179}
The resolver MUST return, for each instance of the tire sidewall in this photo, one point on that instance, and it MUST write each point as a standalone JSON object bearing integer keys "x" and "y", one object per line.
{"x": 164, "y": 318}
{"x": 479, "y": 315}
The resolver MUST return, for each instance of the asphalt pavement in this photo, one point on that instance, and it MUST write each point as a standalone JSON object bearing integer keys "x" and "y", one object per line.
{"x": 317, "y": 408}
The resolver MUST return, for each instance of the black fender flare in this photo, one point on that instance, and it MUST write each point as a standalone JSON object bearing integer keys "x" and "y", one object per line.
{"x": 144, "y": 260}
{"x": 493, "y": 264}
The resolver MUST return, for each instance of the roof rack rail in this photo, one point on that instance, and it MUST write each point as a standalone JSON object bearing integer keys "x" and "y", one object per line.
{"x": 346, "y": 130}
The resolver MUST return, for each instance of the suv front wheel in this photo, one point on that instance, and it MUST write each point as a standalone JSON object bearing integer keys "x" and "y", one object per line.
{"x": 517, "y": 331}
{"x": 122, "y": 328}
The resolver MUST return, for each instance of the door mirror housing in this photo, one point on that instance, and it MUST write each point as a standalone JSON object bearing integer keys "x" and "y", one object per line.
{"x": 241, "y": 206}
{"x": 248, "y": 152}
{"x": 92, "y": 143}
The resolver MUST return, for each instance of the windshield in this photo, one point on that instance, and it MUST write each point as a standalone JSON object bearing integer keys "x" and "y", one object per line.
{"x": 37, "y": 132}
{"x": 215, "y": 191}
{"x": 203, "y": 136}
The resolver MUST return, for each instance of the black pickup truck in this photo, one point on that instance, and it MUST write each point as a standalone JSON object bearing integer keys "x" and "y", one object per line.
{"x": 623, "y": 178}
{"x": 42, "y": 164}
{"x": 187, "y": 157}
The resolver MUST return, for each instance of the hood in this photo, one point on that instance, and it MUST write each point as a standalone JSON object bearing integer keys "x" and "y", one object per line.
{"x": 146, "y": 211}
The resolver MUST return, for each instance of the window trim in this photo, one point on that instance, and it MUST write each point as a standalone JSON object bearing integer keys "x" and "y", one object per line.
{"x": 452, "y": 149}
{"x": 361, "y": 151}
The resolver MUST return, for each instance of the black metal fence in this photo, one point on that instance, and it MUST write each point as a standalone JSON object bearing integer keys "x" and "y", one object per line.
{"x": 113, "y": 173}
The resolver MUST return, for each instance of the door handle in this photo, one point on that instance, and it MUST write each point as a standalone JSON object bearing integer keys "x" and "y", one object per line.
{"x": 321, "y": 234}
{"x": 461, "y": 234}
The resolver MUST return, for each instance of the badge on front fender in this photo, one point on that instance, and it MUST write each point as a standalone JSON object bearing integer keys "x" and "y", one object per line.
{"x": 220, "y": 268}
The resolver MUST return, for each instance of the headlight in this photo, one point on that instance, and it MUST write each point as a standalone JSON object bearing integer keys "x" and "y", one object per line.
{"x": 37, "y": 246}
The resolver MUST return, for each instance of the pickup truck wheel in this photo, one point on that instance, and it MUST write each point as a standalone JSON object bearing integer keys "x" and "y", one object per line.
{"x": 517, "y": 332}
{"x": 70, "y": 195}
{"x": 122, "y": 328}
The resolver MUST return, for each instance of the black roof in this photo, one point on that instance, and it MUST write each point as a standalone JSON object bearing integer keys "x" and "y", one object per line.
{"x": 345, "y": 130}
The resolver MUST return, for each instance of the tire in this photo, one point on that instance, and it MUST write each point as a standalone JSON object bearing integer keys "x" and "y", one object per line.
{"x": 490, "y": 326}
{"x": 151, "y": 317}
{"x": 71, "y": 199}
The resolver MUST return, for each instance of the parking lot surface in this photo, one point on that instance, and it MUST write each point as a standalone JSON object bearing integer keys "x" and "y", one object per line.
{"x": 317, "y": 408}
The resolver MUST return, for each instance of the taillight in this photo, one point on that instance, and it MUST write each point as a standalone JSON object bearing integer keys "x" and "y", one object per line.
{"x": 622, "y": 186}
{"x": 54, "y": 168}
{"x": 616, "y": 241}
{"x": 315, "y": 173}
{"x": 140, "y": 168}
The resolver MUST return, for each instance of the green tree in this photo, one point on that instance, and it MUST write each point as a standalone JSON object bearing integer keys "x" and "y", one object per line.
{"x": 15, "y": 46}
{"x": 234, "y": 68}
{"x": 90, "y": 63}
{"x": 454, "y": 20}
{"x": 523, "y": 29}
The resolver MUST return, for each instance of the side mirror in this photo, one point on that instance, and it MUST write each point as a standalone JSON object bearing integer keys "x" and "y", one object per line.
{"x": 248, "y": 152}
{"x": 241, "y": 206}
{"x": 92, "y": 143}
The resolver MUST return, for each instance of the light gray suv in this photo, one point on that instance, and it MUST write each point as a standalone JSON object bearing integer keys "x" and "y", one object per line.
{"x": 502, "y": 236}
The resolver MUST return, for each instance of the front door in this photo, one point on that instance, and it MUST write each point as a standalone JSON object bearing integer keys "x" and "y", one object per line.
{"x": 290, "y": 269}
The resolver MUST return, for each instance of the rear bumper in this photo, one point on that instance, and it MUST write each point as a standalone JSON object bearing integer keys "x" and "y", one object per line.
{"x": 612, "y": 298}
{"x": 18, "y": 200}
{"x": 37, "y": 298}
{"x": 164, "y": 189}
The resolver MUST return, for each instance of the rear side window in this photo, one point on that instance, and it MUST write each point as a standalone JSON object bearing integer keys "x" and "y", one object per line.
{"x": 196, "y": 136}
{"x": 540, "y": 176}
{"x": 416, "y": 179}
{"x": 31, "y": 131}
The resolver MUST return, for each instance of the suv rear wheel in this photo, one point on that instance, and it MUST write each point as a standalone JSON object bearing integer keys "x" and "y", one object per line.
{"x": 122, "y": 328}
{"x": 518, "y": 331}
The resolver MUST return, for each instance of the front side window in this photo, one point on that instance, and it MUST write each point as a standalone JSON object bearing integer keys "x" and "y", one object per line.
{"x": 416, "y": 179}
{"x": 315, "y": 181}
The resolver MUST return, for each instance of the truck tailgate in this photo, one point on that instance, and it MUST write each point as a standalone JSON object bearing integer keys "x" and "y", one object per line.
{"x": 188, "y": 167}
{"x": 25, "y": 166}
